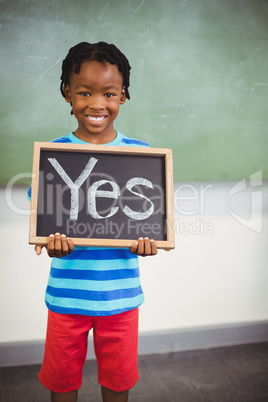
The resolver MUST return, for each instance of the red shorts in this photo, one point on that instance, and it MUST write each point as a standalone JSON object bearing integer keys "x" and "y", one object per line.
{"x": 115, "y": 344}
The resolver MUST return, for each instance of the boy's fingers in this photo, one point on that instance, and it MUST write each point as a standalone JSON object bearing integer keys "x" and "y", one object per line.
{"x": 140, "y": 249}
{"x": 50, "y": 246}
{"x": 134, "y": 247}
{"x": 154, "y": 250}
{"x": 150, "y": 247}
{"x": 144, "y": 247}
{"x": 67, "y": 246}
{"x": 70, "y": 245}
{"x": 147, "y": 246}
{"x": 57, "y": 245}
{"x": 64, "y": 246}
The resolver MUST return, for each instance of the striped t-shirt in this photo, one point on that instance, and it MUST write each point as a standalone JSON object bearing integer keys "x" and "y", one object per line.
{"x": 95, "y": 281}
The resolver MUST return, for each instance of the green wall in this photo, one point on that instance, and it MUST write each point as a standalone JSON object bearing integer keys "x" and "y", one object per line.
{"x": 199, "y": 79}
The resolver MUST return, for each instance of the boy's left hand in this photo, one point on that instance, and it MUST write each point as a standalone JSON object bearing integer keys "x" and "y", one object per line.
{"x": 144, "y": 247}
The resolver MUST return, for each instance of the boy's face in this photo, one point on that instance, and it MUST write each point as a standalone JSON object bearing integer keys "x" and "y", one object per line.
{"x": 96, "y": 93}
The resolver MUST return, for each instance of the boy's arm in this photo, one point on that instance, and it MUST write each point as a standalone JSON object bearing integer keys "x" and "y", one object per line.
{"x": 144, "y": 247}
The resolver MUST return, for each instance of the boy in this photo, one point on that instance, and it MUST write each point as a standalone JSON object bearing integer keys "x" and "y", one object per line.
{"x": 90, "y": 287}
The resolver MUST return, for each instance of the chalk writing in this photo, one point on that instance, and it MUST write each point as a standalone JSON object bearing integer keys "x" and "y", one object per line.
{"x": 94, "y": 192}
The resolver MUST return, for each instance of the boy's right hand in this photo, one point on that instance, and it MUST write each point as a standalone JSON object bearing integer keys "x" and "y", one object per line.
{"x": 58, "y": 246}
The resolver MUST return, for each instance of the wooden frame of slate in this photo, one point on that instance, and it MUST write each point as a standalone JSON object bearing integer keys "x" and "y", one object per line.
{"x": 102, "y": 196}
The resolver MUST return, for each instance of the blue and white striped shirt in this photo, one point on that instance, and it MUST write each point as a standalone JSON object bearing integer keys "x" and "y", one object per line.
{"x": 95, "y": 281}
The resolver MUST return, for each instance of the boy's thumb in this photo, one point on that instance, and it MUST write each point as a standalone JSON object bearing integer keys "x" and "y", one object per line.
{"x": 38, "y": 250}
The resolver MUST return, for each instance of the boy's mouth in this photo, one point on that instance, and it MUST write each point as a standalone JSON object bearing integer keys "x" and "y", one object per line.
{"x": 95, "y": 118}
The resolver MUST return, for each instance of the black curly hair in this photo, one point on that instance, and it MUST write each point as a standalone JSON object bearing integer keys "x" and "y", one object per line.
{"x": 101, "y": 52}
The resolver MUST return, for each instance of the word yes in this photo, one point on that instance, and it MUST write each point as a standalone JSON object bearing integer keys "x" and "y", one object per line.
{"x": 94, "y": 192}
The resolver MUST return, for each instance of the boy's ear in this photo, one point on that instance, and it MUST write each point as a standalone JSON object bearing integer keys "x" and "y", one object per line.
{"x": 66, "y": 90}
{"x": 123, "y": 96}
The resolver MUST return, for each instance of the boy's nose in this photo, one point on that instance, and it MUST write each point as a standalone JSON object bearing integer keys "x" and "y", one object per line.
{"x": 96, "y": 103}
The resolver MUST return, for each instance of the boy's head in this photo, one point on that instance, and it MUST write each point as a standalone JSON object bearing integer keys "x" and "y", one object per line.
{"x": 95, "y": 81}
{"x": 101, "y": 52}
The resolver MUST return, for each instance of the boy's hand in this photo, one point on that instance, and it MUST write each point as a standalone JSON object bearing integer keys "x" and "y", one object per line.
{"x": 58, "y": 246}
{"x": 144, "y": 247}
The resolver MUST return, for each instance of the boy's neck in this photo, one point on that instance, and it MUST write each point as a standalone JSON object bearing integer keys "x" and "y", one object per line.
{"x": 96, "y": 139}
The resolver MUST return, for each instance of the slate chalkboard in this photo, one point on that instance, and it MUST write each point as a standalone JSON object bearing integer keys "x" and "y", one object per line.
{"x": 102, "y": 195}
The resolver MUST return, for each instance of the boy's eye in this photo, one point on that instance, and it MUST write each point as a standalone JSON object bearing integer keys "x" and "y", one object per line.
{"x": 84, "y": 93}
{"x": 109, "y": 95}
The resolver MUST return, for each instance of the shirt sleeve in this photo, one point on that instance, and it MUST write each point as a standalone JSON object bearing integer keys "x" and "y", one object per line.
{"x": 29, "y": 193}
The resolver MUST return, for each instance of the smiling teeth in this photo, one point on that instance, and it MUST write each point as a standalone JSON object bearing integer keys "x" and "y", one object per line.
{"x": 96, "y": 118}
